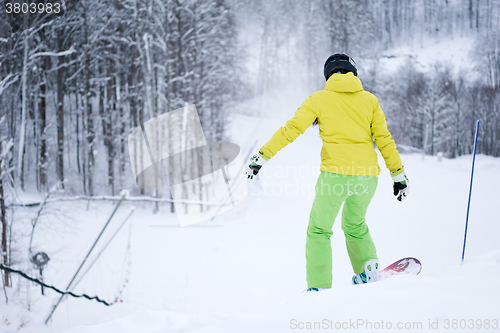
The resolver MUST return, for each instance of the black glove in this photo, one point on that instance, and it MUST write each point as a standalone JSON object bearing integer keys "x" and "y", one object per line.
{"x": 401, "y": 185}
{"x": 256, "y": 163}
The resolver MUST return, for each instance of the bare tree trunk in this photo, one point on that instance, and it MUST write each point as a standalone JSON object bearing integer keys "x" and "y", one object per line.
{"x": 123, "y": 128}
{"x": 147, "y": 65}
{"x": 3, "y": 220}
{"x": 477, "y": 14}
{"x": 134, "y": 113}
{"x": 84, "y": 142}
{"x": 111, "y": 116}
{"x": 24, "y": 111}
{"x": 90, "y": 142}
{"x": 471, "y": 14}
{"x": 60, "y": 114}
{"x": 106, "y": 113}
{"x": 89, "y": 130}
{"x": 77, "y": 128}
{"x": 42, "y": 109}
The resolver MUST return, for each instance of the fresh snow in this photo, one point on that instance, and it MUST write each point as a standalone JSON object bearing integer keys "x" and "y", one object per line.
{"x": 245, "y": 270}
{"x": 454, "y": 52}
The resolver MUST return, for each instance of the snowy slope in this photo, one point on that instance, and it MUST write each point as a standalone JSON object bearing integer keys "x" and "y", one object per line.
{"x": 425, "y": 54}
{"x": 245, "y": 270}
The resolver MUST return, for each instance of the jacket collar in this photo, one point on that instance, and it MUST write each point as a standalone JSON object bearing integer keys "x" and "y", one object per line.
{"x": 344, "y": 83}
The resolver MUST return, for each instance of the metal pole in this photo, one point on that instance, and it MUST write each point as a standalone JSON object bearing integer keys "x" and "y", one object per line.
{"x": 86, "y": 257}
{"x": 470, "y": 190}
{"x": 41, "y": 279}
{"x": 132, "y": 209}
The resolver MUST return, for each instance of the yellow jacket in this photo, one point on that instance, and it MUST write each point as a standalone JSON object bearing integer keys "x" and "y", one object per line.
{"x": 349, "y": 118}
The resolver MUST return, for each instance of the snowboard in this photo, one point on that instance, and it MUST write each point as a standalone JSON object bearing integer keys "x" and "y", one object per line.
{"x": 407, "y": 265}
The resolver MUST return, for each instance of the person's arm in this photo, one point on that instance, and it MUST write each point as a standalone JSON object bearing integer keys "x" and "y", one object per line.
{"x": 387, "y": 147}
{"x": 302, "y": 119}
{"x": 383, "y": 139}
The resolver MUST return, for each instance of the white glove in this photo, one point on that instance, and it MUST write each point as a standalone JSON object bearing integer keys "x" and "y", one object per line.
{"x": 256, "y": 162}
{"x": 401, "y": 185}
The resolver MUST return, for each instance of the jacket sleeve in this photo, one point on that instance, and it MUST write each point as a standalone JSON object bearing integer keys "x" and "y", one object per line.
{"x": 302, "y": 119}
{"x": 383, "y": 138}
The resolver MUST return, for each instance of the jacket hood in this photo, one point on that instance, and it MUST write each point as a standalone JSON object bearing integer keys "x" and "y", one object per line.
{"x": 344, "y": 83}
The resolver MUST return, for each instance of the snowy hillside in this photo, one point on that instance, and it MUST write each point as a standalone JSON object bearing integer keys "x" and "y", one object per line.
{"x": 455, "y": 52}
{"x": 245, "y": 270}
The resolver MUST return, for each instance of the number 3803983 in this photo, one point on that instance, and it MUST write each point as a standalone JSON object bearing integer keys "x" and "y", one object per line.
{"x": 32, "y": 8}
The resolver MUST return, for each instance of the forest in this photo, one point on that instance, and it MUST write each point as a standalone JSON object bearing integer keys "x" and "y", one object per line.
{"x": 72, "y": 89}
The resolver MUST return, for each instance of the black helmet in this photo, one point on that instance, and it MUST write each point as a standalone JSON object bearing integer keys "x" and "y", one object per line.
{"x": 341, "y": 62}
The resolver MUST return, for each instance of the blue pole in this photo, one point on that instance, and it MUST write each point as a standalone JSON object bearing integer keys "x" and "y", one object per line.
{"x": 470, "y": 189}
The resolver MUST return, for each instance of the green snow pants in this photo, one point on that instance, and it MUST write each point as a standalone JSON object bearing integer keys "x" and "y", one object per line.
{"x": 332, "y": 189}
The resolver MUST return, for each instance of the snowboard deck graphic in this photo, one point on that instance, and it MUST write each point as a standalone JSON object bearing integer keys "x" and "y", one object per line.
{"x": 407, "y": 265}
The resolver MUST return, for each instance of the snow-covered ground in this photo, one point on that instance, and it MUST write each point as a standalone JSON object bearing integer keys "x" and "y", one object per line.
{"x": 429, "y": 52}
{"x": 245, "y": 270}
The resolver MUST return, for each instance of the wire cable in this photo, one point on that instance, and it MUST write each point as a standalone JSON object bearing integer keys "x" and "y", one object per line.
{"x": 24, "y": 275}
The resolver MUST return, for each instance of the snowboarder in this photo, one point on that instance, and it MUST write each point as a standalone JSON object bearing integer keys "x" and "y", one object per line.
{"x": 349, "y": 119}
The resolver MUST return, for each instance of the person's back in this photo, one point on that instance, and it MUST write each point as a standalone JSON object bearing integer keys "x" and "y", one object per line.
{"x": 349, "y": 118}
{"x": 345, "y": 110}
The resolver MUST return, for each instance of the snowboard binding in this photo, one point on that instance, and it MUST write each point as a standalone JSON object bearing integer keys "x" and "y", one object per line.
{"x": 370, "y": 274}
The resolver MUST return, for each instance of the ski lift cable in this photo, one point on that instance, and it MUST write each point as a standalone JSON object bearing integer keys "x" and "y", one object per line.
{"x": 24, "y": 275}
